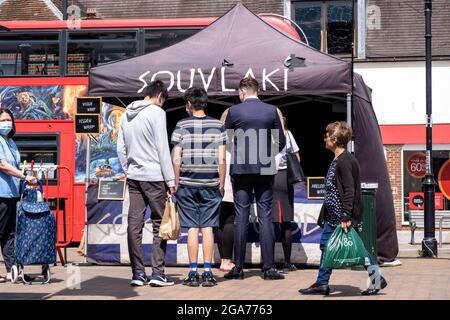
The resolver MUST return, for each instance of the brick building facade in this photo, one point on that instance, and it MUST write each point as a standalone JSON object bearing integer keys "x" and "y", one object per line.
{"x": 393, "y": 158}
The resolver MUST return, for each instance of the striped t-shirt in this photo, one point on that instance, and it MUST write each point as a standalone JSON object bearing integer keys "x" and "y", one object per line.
{"x": 199, "y": 139}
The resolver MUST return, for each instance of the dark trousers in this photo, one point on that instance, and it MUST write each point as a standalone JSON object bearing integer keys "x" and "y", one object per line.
{"x": 325, "y": 273}
{"x": 286, "y": 239}
{"x": 225, "y": 232}
{"x": 243, "y": 188}
{"x": 8, "y": 230}
{"x": 143, "y": 194}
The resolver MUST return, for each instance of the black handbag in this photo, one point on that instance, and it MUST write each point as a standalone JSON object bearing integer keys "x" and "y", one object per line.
{"x": 295, "y": 172}
{"x": 321, "y": 218}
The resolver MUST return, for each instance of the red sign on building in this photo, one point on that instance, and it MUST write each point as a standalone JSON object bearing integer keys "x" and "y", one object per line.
{"x": 416, "y": 201}
{"x": 444, "y": 179}
{"x": 417, "y": 165}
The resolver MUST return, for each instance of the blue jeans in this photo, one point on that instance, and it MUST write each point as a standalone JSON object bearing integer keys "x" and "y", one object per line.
{"x": 325, "y": 273}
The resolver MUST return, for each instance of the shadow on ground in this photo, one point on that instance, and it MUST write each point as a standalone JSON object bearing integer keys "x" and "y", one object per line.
{"x": 446, "y": 257}
{"x": 99, "y": 287}
{"x": 247, "y": 274}
{"x": 340, "y": 291}
{"x": 21, "y": 296}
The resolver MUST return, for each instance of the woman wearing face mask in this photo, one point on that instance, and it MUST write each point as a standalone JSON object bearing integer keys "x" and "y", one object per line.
{"x": 10, "y": 176}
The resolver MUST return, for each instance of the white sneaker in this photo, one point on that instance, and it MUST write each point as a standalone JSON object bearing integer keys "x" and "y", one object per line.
{"x": 394, "y": 263}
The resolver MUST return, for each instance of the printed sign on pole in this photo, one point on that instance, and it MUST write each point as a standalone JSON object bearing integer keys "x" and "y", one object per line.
{"x": 87, "y": 123}
{"x": 417, "y": 199}
{"x": 315, "y": 187}
{"x": 89, "y": 105}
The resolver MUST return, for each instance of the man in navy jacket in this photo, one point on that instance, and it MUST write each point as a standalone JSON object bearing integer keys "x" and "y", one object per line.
{"x": 256, "y": 136}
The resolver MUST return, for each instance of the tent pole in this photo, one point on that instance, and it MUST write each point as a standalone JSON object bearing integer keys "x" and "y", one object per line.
{"x": 349, "y": 119}
{"x": 351, "y": 145}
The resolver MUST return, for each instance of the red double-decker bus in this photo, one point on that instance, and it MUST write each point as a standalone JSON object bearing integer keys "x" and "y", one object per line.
{"x": 43, "y": 69}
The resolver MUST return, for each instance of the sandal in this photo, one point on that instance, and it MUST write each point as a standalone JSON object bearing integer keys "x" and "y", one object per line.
{"x": 228, "y": 269}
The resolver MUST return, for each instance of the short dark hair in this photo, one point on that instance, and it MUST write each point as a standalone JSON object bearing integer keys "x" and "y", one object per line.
{"x": 341, "y": 132}
{"x": 197, "y": 97}
{"x": 13, "y": 131}
{"x": 249, "y": 84}
{"x": 155, "y": 88}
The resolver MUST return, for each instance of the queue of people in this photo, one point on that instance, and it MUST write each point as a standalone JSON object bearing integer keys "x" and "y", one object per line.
{"x": 216, "y": 169}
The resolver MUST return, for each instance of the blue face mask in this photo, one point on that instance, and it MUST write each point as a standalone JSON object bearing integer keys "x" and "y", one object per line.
{"x": 5, "y": 127}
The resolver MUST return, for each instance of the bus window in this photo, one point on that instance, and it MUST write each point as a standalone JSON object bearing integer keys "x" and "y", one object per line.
{"x": 87, "y": 49}
{"x": 156, "y": 39}
{"x": 29, "y": 53}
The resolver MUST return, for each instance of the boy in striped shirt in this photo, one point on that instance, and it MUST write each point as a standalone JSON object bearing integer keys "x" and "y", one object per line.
{"x": 199, "y": 163}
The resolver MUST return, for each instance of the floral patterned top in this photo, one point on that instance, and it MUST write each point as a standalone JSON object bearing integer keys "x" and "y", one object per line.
{"x": 332, "y": 199}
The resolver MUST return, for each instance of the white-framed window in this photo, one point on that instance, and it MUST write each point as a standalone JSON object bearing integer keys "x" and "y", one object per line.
{"x": 327, "y": 24}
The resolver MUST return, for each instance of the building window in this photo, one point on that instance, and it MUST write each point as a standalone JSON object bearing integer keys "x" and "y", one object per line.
{"x": 29, "y": 53}
{"x": 327, "y": 24}
{"x": 414, "y": 168}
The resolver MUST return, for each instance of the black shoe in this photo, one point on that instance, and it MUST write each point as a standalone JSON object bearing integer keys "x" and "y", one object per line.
{"x": 139, "y": 279}
{"x": 208, "y": 279}
{"x": 272, "y": 274}
{"x": 321, "y": 289}
{"x": 288, "y": 267}
{"x": 192, "y": 280}
{"x": 160, "y": 280}
{"x": 235, "y": 273}
{"x": 373, "y": 290}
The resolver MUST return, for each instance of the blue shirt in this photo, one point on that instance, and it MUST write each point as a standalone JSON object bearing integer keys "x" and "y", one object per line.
{"x": 9, "y": 185}
{"x": 332, "y": 199}
{"x": 199, "y": 139}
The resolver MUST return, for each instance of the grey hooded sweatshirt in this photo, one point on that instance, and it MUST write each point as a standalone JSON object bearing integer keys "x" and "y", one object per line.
{"x": 142, "y": 145}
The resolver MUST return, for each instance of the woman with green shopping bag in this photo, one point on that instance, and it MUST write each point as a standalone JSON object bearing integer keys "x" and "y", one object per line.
{"x": 342, "y": 206}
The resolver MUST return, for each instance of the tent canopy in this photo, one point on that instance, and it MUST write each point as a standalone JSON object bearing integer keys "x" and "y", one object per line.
{"x": 240, "y": 44}
{"x": 218, "y": 57}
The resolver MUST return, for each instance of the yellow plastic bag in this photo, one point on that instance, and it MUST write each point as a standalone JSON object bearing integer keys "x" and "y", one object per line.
{"x": 170, "y": 224}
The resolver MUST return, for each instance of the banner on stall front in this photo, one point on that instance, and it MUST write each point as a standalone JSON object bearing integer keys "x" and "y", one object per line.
{"x": 107, "y": 234}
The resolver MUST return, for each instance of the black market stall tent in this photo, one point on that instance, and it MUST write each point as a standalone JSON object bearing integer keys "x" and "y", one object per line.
{"x": 241, "y": 44}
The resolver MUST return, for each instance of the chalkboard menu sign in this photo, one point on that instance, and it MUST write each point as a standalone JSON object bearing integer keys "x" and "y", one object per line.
{"x": 89, "y": 105}
{"x": 316, "y": 187}
{"x": 87, "y": 123}
{"x": 110, "y": 189}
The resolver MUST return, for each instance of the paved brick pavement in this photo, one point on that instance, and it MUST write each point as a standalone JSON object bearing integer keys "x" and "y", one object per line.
{"x": 416, "y": 278}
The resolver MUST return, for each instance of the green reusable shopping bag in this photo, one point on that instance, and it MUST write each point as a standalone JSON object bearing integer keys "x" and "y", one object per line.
{"x": 344, "y": 249}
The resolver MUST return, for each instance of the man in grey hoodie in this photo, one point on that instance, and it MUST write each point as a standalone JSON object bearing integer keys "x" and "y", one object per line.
{"x": 144, "y": 154}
